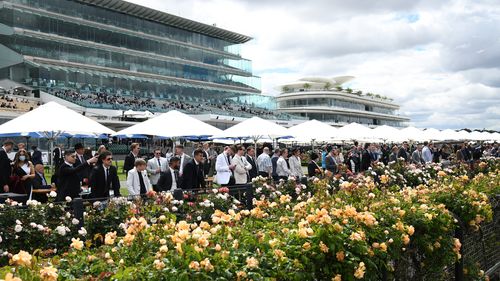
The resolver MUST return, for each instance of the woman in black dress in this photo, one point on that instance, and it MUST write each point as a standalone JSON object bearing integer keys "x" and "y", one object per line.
{"x": 313, "y": 169}
{"x": 25, "y": 172}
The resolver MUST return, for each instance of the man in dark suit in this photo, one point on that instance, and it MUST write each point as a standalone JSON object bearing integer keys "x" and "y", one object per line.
{"x": 169, "y": 180}
{"x": 57, "y": 156}
{"x": 274, "y": 162}
{"x": 404, "y": 152}
{"x": 36, "y": 156}
{"x": 366, "y": 159}
{"x": 330, "y": 163}
{"x": 39, "y": 181}
{"x": 68, "y": 183}
{"x": 104, "y": 178}
{"x": 80, "y": 159}
{"x": 254, "y": 172}
{"x": 131, "y": 157}
{"x": 5, "y": 168}
{"x": 193, "y": 177}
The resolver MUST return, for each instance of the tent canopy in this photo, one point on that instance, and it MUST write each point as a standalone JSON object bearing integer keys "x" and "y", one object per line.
{"x": 254, "y": 128}
{"x": 172, "y": 124}
{"x": 51, "y": 120}
{"x": 312, "y": 130}
{"x": 353, "y": 131}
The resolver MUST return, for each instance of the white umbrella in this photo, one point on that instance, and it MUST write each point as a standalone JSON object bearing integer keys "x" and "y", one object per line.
{"x": 413, "y": 134}
{"x": 431, "y": 134}
{"x": 172, "y": 124}
{"x": 463, "y": 135}
{"x": 312, "y": 130}
{"x": 353, "y": 131}
{"x": 449, "y": 134}
{"x": 387, "y": 133}
{"x": 495, "y": 136}
{"x": 255, "y": 128}
{"x": 52, "y": 120}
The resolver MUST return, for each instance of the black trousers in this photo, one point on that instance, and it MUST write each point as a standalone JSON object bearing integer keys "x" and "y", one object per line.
{"x": 264, "y": 174}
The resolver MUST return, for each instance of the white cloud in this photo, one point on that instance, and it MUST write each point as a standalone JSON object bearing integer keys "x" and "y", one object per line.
{"x": 438, "y": 59}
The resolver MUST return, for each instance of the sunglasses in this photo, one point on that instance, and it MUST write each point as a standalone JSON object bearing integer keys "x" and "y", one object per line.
{"x": 110, "y": 158}
{"x": 72, "y": 156}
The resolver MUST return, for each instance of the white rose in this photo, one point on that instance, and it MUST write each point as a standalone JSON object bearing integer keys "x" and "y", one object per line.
{"x": 174, "y": 209}
{"x": 18, "y": 222}
{"x": 199, "y": 218}
{"x": 215, "y": 190}
{"x": 51, "y": 205}
{"x": 82, "y": 231}
{"x": 0, "y": 239}
{"x": 33, "y": 225}
{"x": 18, "y": 228}
{"x": 53, "y": 194}
{"x": 75, "y": 221}
{"x": 40, "y": 227}
{"x": 68, "y": 199}
{"x": 61, "y": 230}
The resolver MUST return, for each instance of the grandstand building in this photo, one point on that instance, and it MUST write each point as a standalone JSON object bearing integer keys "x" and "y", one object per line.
{"x": 103, "y": 57}
{"x": 326, "y": 100}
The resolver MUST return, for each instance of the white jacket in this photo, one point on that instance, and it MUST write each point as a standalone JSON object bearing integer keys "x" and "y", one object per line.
{"x": 241, "y": 169}
{"x": 133, "y": 183}
{"x": 282, "y": 168}
{"x": 153, "y": 166}
{"x": 222, "y": 168}
{"x": 295, "y": 166}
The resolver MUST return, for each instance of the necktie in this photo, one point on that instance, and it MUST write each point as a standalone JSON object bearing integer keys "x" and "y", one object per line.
{"x": 176, "y": 174}
{"x": 107, "y": 177}
{"x": 141, "y": 182}
{"x": 81, "y": 158}
{"x": 159, "y": 164}
{"x": 44, "y": 182}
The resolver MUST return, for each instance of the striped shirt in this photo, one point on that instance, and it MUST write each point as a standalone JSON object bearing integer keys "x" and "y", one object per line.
{"x": 264, "y": 163}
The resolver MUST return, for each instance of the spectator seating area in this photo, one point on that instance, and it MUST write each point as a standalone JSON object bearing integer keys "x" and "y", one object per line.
{"x": 17, "y": 103}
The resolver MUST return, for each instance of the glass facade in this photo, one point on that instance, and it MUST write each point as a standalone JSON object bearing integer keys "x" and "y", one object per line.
{"x": 331, "y": 102}
{"x": 70, "y": 45}
{"x": 338, "y": 118}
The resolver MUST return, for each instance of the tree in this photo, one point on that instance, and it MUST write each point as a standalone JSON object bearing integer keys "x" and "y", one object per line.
{"x": 307, "y": 86}
{"x": 338, "y": 88}
{"x": 285, "y": 89}
{"x": 327, "y": 86}
{"x": 349, "y": 90}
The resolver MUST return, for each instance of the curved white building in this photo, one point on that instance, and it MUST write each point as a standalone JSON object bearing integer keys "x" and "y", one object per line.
{"x": 325, "y": 100}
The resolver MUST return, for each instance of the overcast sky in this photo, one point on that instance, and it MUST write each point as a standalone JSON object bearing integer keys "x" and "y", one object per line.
{"x": 440, "y": 60}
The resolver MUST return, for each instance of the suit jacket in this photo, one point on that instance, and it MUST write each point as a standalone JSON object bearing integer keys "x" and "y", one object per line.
{"x": 416, "y": 158}
{"x": 5, "y": 169}
{"x": 192, "y": 177}
{"x": 36, "y": 157}
{"x": 295, "y": 166}
{"x": 330, "y": 164}
{"x": 222, "y": 168}
{"x": 38, "y": 182}
{"x": 98, "y": 182}
{"x": 57, "y": 156}
{"x": 85, "y": 172}
{"x": 241, "y": 169}
{"x": 254, "y": 172}
{"x": 165, "y": 181}
{"x": 403, "y": 154}
{"x": 134, "y": 184}
{"x": 366, "y": 160}
{"x": 129, "y": 162}
{"x": 152, "y": 166}
{"x": 68, "y": 182}
{"x": 311, "y": 169}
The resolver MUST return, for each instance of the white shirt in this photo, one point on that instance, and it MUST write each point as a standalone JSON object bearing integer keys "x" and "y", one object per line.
{"x": 282, "y": 168}
{"x": 426, "y": 154}
{"x": 174, "y": 182}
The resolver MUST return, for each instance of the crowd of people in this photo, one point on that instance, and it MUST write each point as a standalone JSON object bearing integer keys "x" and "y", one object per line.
{"x": 17, "y": 103}
{"x": 119, "y": 101}
{"x": 228, "y": 166}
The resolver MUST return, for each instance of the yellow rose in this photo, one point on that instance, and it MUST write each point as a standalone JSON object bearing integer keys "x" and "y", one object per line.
{"x": 205, "y": 264}
{"x": 76, "y": 244}
{"x": 360, "y": 271}
{"x": 340, "y": 256}
{"x": 252, "y": 262}
{"x": 10, "y": 277}
{"x": 411, "y": 230}
{"x": 22, "y": 259}
{"x": 194, "y": 265}
{"x": 306, "y": 246}
{"x": 337, "y": 277}
{"x": 48, "y": 273}
{"x": 159, "y": 264}
{"x": 323, "y": 247}
{"x": 110, "y": 238}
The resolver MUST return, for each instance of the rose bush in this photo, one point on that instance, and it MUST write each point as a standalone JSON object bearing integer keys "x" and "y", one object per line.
{"x": 360, "y": 227}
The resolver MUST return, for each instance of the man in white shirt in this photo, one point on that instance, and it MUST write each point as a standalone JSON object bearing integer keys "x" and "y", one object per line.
{"x": 224, "y": 168}
{"x": 241, "y": 166}
{"x": 264, "y": 163}
{"x": 427, "y": 152}
{"x": 155, "y": 166}
{"x": 296, "y": 164}
{"x": 179, "y": 152}
{"x": 282, "y": 166}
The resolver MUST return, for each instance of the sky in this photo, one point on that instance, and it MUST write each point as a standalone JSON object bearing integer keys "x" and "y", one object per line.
{"x": 439, "y": 60}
